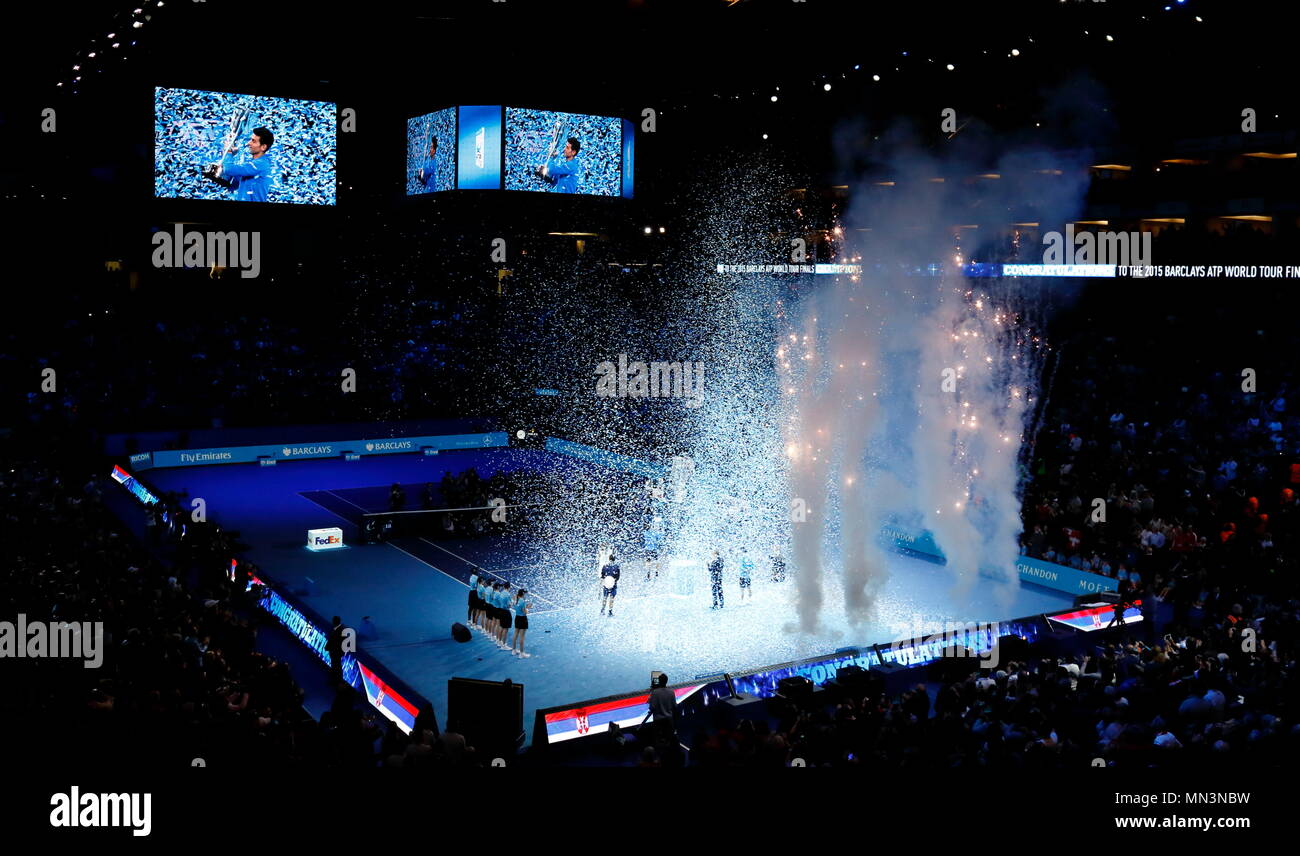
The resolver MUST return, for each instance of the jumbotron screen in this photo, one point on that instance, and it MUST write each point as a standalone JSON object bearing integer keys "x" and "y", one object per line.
{"x": 246, "y": 148}
{"x": 431, "y": 152}
{"x": 563, "y": 152}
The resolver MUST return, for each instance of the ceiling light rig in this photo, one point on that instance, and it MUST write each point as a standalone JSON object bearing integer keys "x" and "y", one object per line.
{"x": 1011, "y": 52}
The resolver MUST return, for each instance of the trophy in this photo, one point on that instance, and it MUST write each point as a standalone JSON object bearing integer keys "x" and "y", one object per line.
{"x": 542, "y": 170}
{"x": 241, "y": 124}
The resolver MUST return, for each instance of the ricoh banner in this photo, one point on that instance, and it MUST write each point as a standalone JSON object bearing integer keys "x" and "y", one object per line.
{"x": 295, "y": 452}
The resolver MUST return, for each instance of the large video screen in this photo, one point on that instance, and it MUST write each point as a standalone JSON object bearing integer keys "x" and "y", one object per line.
{"x": 431, "y": 152}
{"x": 563, "y": 152}
{"x": 478, "y": 159}
{"x": 248, "y": 148}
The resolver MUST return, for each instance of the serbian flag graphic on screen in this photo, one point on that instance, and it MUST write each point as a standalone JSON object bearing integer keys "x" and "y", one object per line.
{"x": 1093, "y": 618}
{"x": 388, "y": 701}
{"x": 582, "y": 720}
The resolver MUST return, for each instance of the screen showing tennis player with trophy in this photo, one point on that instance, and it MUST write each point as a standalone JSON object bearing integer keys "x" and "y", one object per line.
{"x": 247, "y": 148}
{"x": 563, "y": 152}
{"x": 431, "y": 152}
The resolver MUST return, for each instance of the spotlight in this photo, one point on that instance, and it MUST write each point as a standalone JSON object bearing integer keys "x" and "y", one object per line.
{"x": 1110, "y": 38}
{"x": 773, "y": 97}
{"x": 826, "y": 86}
{"x": 1015, "y": 51}
{"x": 951, "y": 66}
{"x": 647, "y": 230}
{"x": 875, "y": 77}
{"x": 661, "y": 230}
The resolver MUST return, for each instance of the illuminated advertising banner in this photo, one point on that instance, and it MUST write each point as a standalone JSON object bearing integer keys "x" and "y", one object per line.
{"x": 819, "y": 269}
{"x": 581, "y": 719}
{"x": 392, "y": 704}
{"x": 431, "y": 152}
{"x": 978, "y": 639}
{"x": 1030, "y": 570}
{"x": 129, "y": 482}
{"x": 1097, "y": 616}
{"x": 250, "y": 148}
{"x": 906, "y": 540}
{"x": 478, "y": 148}
{"x": 1061, "y": 578}
{"x": 629, "y": 158}
{"x": 763, "y": 683}
{"x": 309, "y": 633}
{"x": 563, "y": 152}
{"x": 331, "y": 449}
{"x": 594, "y": 718}
{"x": 387, "y": 700}
{"x": 1058, "y": 270}
{"x": 991, "y": 269}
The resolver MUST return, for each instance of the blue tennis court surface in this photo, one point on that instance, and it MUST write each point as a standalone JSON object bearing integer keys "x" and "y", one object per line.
{"x": 414, "y": 588}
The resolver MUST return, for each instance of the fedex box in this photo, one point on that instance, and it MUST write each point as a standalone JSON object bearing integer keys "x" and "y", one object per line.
{"x": 324, "y": 539}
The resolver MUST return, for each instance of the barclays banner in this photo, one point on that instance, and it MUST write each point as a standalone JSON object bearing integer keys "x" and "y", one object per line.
{"x": 291, "y": 452}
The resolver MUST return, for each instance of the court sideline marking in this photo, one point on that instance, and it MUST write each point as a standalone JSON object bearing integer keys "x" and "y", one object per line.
{"x": 348, "y": 501}
{"x": 427, "y": 562}
{"x": 475, "y": 565}
{"x": 443, "y": 549}
{"x": 323, "y": 508}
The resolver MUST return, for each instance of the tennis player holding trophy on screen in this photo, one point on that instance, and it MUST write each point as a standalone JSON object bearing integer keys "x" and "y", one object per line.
{"x": 250, "y": 180}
